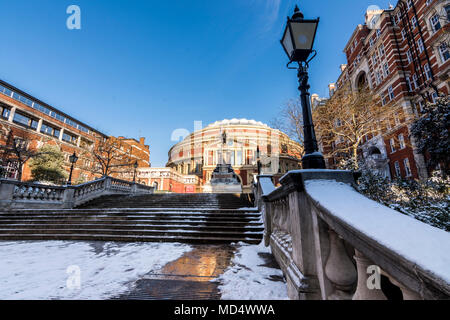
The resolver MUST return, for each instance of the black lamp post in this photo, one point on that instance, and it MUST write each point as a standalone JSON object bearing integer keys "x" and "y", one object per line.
{"x": 73, "y": 159}
{"x": 298, "y": 40}
{"x": 135, "y": 168}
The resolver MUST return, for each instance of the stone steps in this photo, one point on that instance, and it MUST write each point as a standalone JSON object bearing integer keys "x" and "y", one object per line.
{"x": 161, "y": 218}
{"x": 123, "y": 238}
{"x": 220, "y": 201}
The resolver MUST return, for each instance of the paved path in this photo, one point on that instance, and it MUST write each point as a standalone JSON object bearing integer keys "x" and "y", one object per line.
{"x": 187, "y": 278}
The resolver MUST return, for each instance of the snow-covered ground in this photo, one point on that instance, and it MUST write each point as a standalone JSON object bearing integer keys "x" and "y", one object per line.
{"x": 248, "y": 279}
{"x": 50, "y": 269}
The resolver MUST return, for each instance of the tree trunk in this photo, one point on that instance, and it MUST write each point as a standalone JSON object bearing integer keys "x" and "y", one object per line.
{"x": 355, "y": 157}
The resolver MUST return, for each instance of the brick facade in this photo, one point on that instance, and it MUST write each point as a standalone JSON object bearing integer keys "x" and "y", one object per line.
{"x": 401, "y": 53}
{"x": 43, "y": 124}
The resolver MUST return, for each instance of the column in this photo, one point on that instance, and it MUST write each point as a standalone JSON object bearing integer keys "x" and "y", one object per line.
{"x": 61, "y": 134}
{"x": 39, "y": 126}
{"x": 79, "y": 141}
{"x": 11, "y": 114}
{"x": 339, "y": 269}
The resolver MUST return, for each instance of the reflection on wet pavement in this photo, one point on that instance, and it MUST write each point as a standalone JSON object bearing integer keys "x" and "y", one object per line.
{"x": 187, "y": 277}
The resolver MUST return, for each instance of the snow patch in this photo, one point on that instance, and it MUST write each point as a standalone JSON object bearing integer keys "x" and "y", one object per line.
{"x": 248, "y": 279}
{"x": 37, "y": 270}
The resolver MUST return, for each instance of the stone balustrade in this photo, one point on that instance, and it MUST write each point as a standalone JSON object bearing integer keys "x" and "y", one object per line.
{"x": 333, "y": 243}
{"x": 25, "y": 195}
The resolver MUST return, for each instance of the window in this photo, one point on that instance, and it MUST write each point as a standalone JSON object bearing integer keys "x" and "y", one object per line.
{"x": 381, "y": 51}
{"x": 409, "y": 4}
{"x": 5, "y": 91}
{"x": 434, "y": 96}
{"x": 416, "y": 84}
{"x": 403, "y": 34}
{"x": 409, "y": 56}
{"x": 392, "y": 145}
{"x": 408, "y": 82}
{"x": 239, "y": 157}
{"x": 391, "y": 93}
{"x": 414, "y": 22}
{"x": 428, "y": 73}
{"x": 443, "y": 51}
{"x": 407, "y": 167}
{"x": 447, "y": 10}
{"x": 69, "y": 138}
{"x": 420, "y": 45}
{"x": 435, "y": 23}
{"x": 386, "y": 69}
{"x": 5, "y": 112}
{"x": 401, "y": 141}
{"x": 394, "y": 21}
{"x": 371, "y": 42}
{"x": 378, "y": 77}
{"x": 397, "y": 169}
{"x": 374, "y": 59}
{"x": 46, "y": 129}
{"x": 25, "y": 121}
{"x": 396, "y": 119}
{"x": 378, "y": 33}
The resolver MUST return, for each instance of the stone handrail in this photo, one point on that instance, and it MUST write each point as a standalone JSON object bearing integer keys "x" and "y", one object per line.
{"x": 334, "y": 243}
{"x": 17, "y": 195}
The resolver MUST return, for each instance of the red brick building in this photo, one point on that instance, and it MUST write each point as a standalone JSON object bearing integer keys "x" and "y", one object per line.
{"x": 39, "y": 124}
{"x": 403, "y": 54}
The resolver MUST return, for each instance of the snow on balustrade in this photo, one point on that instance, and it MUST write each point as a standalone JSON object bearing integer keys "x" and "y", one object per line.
{"x": 422, "y": 244}
{"x": 318, "y": 225}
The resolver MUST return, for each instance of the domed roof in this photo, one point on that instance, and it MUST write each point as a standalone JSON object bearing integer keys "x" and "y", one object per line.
{"x": 373, "y": 8}
{"x": 234, "y": 122}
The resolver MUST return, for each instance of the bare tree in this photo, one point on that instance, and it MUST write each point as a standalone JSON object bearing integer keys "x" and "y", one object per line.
{"x": 110, "y": 156}
{"x": 347, "y": 118}
{"x": 17, "y": 150}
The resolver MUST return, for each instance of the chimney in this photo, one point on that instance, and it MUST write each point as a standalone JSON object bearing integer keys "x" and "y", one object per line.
{"x": 142, "y": 141}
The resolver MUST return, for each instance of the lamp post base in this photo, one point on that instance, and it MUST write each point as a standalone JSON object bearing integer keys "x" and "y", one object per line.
{"x": 313, "y": 161}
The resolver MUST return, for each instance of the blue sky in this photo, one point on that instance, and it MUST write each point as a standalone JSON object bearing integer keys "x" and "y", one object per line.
{"x": 146, "y": 68}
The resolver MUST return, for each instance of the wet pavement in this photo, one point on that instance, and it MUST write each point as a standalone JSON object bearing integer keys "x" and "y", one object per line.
{"x": 187, "y": 278}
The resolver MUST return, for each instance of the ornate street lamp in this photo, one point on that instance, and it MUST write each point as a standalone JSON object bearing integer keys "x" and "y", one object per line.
{"x": 135, "y": 168}
{"x": 298, "y": 40}
{"x": 73, "y": 159}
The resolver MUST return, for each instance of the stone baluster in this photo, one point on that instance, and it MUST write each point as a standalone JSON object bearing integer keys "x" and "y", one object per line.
{"x": 363, "y": 292}
{"x": 339, "y": 268}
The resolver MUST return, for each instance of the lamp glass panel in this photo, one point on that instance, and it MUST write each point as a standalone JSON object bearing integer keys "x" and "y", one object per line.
{"x": 287, "y": 42}
{"x": 304, "y": 34}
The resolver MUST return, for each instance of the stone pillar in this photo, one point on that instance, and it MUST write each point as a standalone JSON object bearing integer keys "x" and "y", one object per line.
{"x": 6, "y": 193}
{"x": 267, "y": 222}
{"x": 79, "y": 141}
{"x": 61, "y": 134}
{"x": 39, "y": 126}
{"x": 11, "y": 114}
{"x": 339, "y": 268}
{"x": 68, "y": 198}
{"x": 362, "y": 290}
